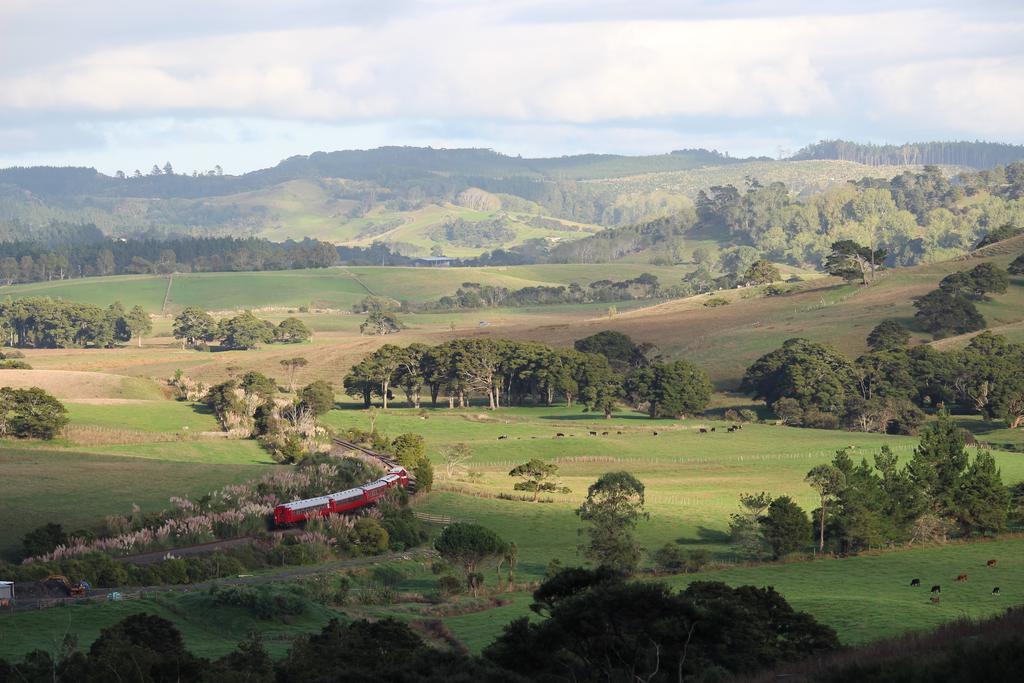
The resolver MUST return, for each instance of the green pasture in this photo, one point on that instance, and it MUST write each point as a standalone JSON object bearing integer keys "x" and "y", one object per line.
{"x": 148, "y": 416}
{"x": 79, "y": 489}
{"x": 207, "y": 631}
{"x": 864, "y": 598}
{"x": 320, "y": 288}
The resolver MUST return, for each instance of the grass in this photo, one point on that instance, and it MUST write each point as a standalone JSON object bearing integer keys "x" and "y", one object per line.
{"x": 864, "y": 598}
{"x": 79, "y": 489}
{"x": 208, "y": 631}
{"x": 147, "y": 416}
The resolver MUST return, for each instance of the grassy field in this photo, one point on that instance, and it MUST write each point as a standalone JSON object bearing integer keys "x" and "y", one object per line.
{"x": 337, "y": 288}
{"x": 208, "y": 631}
{"x": 79, "y": 489}
{"x": 863, "y": 598}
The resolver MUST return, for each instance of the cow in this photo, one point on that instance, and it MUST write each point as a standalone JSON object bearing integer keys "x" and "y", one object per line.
{"x": 731, "y": 430}
{"x": 915, "y": 583}
{"x": 935, "y": 599}
{"x": 503, "y": 436}
{"x": 936, "y": 588}
{"x": 991, "y": 563}
{"x": 962, "y": 578}
{"x": 618, "y": 432}
{"x": 655, "y": 433}
{"x": 559, "y": 435}
{"x": 737, "y": 427}
{"x": 593, "y": 433}
{"x": 604, "y": 433}
{"x": 703, "y": 431}
{"x": 995, "y": 591}
{"x": 713, "y": 428}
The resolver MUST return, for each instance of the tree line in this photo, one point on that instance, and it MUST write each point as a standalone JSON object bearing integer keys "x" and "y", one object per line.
{"x": 600, "y": 372}
{"x": 889, "y": 388}
{"x": 940, "y": 492}
{"x": 982, "y": 155}
{"x": 86, "y": 254}
{"x": 196, "y": 328}
{"x": 45, "y": 323}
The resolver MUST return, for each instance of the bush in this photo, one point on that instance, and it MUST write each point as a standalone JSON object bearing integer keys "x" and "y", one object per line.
{"x": 450, "y": 585}
{"x": 14, "y": 365}
{"x": 369, "y": 536}
{"x": 265, "y": 602}
{"x": 43, "y": 540}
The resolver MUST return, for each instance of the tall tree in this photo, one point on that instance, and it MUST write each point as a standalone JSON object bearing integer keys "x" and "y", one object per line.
{"x": 829, "y": 482}
{"x": 614, "y": 505}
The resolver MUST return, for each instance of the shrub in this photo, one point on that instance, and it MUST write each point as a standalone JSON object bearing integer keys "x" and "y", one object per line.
{"x": 715, "y": 302}
{"x": 449, "y": 585}
{"x": 369, "y": 536}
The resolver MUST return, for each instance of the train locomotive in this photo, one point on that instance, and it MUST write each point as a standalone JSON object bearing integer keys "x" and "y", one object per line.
{"x": 297, "y": 511}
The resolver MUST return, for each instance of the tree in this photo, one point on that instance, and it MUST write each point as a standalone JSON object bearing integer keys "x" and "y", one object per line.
{"x": 537, "y": 476}
{"x": 138, "y": 323}
{"x": 620, "y": 350}
{"x": 469, "y": 545}
{"x": 828, "y": 481}
{"x": 381, "y": 367}
{"x": 761, "y": 272}
{"x": 245, "y": 331}
{"x": 411, "y": 452}
{"x": 193, "y": 325}
{"x": 455, "y": 458}
{"x": 30, "y": 414}
{"x": 291, "y": 366}
{"x": 814, "y": 375}
{"x": 944, "y": 313}
{"x": 982, "y": 500}
{"x": 1016, "y": 266}
{"x": 614, "y": 505}
{"x": 318, "y": 397}
{"x": 744, "y": 526}
{"x": 292, "y": 331}
{"x": 850, "y": 260}
{"x": 601, "y": 387}
{"x": 43, "y": 540}
{"x": 672, "y": 389}
{"x": 888, "y": 335}
{"x": 938, "y": 463}
{"x": 977, "y": 282}
{"x": 785, "y": 526}
{"x": 381, "y": 323}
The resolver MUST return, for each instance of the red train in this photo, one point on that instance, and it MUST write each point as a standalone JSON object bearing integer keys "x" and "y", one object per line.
{"x": 342, "y": 501}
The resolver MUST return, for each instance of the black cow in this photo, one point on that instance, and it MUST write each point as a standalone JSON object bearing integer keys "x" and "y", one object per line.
{"x": 914, "y": 583}
{"x": 593, "y": 433}
{"x": 703, "y": 431}
{"x": 936, "y": 588}
{"x": 559, "y": 434}
{"x": 995, "y": 591}
{"x": 604, "y": 433}
{"x": 713, "y": 429}
{"x": 655, "y": 433}
{"x": 503, "y": 436}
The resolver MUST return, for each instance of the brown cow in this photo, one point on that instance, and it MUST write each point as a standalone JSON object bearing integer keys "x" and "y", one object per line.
{"x": 935, "y": 599}
{"x": 991, "y": 563}
{"x": 962, "y": 578}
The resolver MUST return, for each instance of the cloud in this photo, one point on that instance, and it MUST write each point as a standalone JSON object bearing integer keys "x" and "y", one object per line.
{"x": 624, "y": 73}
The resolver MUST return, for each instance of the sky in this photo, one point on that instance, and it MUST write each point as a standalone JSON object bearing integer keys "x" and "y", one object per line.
{"x": 245, "y": 83}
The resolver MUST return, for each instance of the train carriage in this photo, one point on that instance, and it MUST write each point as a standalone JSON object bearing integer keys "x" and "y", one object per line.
{"x": 298, "y": 511}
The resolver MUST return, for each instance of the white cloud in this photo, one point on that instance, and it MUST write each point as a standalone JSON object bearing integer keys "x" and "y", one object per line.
{"x": 693, "y": 70}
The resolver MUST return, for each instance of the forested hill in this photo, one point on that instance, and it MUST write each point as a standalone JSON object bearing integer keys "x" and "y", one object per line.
{"x": 386, "y": 165}
{"x": 980, "y": 155}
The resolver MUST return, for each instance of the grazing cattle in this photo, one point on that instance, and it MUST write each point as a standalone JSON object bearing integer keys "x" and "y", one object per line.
{"x": 995, "y": 591}
{"x": 655, "y": 433}
{"x": 914, "y": 583}
{"x": 737, "y": 427}
{"x": 731, "y": 430}
{"x": 703, "y": 431}
{"x": 604, "y": 433}
{"x": 593, "y": 433}
{"x": 503, "y": 436}
{"x": 713, "y": 429}
{"x": 991, "y": 563}
{"x": 559, "y": 434}
{"x": 936, "y": 588}
{"x": 935, "y": 599}
{"x": 962, "y": 578}
{"x": 618, "y": 432}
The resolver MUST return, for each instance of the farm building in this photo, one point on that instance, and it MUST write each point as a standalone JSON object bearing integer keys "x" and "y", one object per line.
{"x": 433, "y": 261}
{"x": 6, "y": 592}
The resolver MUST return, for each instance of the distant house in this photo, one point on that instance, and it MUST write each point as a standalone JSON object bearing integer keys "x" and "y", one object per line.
{"x": 433, "y": 261}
